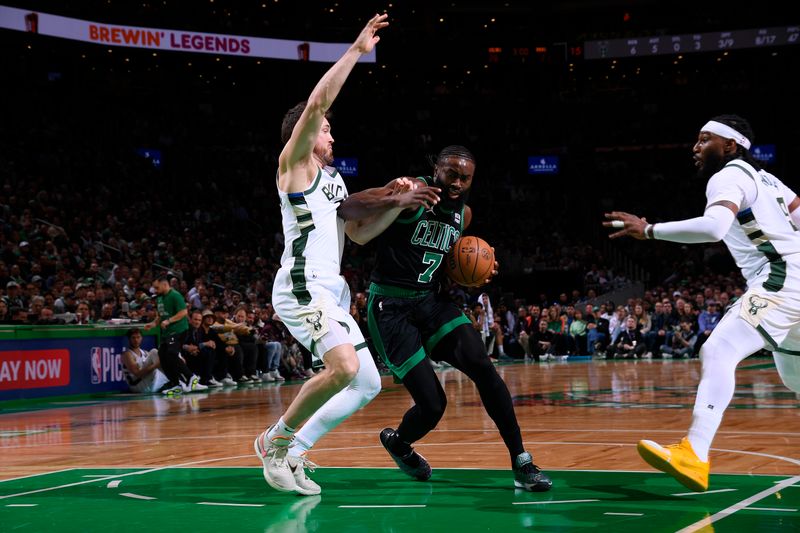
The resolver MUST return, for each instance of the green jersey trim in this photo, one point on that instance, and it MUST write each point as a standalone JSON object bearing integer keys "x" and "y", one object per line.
{"x": 395, "y": 292}
{"x": 316, "y": 182}
{"x": 444, "y": 330}
{"x": 770, "y": 340}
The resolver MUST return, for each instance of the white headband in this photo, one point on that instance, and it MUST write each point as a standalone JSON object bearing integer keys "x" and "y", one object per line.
{"x": 725, "y": 131}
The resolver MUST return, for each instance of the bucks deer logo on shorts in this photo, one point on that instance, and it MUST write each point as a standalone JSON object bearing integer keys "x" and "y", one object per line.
{"x": 756, "y": 304}
{"x": 315, "y": 321}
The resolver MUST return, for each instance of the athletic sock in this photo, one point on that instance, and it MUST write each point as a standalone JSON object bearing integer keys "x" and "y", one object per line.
{"x": 281, "y": 434}
{"x": 298, "y": 447}
{"x": 705, "y": 423}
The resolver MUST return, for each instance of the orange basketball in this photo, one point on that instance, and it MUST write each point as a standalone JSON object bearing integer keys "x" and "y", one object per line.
{"x": 470, "y": 261}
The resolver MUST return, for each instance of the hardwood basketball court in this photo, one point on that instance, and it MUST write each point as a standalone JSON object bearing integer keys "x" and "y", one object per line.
{"x": 187, "y": 462}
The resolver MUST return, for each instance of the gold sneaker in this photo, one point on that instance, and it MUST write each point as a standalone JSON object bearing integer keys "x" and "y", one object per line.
{"x": 677, "y": 460}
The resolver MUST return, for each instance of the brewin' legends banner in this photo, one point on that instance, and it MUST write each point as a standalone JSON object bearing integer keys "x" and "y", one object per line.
{"x": 171, "y": 40}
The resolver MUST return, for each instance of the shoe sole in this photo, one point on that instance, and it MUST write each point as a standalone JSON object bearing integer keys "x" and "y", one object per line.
{"x": 659, "y": 463}
{"x": 538, "y": 487}
{"x": 264, "y": 462}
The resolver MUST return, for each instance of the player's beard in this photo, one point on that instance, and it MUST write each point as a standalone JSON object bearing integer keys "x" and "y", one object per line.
{"x": 326, "y": 155}
{"x": 446, "y": 201}
{"x": 712, "y": 163}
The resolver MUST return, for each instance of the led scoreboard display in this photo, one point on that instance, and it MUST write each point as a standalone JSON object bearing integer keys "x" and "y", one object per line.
{"x": 691, "y": 42}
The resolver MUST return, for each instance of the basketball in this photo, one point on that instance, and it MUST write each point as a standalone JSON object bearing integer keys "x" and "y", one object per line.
{"x": 470, "y": 261}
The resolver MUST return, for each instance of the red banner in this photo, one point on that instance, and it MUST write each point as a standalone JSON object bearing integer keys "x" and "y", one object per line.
{"x": 33, "y": 369}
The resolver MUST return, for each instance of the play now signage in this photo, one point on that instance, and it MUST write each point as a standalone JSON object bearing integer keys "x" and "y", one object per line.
{"x": 33, "y": 369}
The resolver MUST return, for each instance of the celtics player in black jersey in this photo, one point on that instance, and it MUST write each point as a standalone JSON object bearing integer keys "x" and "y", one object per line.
{"x": 410, "y": 320}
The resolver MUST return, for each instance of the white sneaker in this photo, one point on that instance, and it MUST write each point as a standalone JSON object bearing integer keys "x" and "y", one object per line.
{"x": 195, "y": 385}
{"x": 277, "y": 376}
{"x": 228, "y": 382}
{"x": 214, "y": 383}
{"x": 172, "y": 391}
{"x": 266, "y": 377}
{"x": 305, "y": 485}
{"x": 276, "y": 468}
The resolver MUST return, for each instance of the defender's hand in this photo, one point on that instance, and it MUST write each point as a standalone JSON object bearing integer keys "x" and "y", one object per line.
{"x": 367, "y": 39}
{"x": 632, "y": 225}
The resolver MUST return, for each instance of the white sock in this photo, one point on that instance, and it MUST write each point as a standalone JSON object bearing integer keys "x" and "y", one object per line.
{"x": 281, "y": 434}
{"x": 705, "y": 423}
{"x": 364, "y": 387}
{"x": 299, "y": 446}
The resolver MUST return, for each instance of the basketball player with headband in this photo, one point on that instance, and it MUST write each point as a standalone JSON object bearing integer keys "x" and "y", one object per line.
{"x": 756, "y": 216}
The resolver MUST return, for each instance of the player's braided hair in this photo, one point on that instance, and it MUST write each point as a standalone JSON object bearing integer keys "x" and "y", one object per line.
{"x": 742, "y": 126}
{"x": 454, "y": 150}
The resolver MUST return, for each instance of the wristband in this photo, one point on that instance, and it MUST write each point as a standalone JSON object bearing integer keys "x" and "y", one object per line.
{"x": 648, "y": 232}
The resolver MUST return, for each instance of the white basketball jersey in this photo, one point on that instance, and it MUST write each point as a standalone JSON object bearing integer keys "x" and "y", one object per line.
{"x": 763, "y": 235}
{"x": 313, "y": 232}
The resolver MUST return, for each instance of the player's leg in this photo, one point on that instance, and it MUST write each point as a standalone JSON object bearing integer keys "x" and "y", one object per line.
{"x": 730, "y": 342}
{"x": 399, "y": 344}
{"x": 462, "y": 348}
{"x": 341, "y": 366}
{"x": 359, "y": 391}
{"x": 430, "y": 403}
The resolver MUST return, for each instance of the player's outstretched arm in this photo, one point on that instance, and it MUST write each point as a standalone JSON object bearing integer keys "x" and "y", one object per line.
{"x": 368, "y": 213}
{"x": 711, "y": 227}
{"x": 301, "y": 144}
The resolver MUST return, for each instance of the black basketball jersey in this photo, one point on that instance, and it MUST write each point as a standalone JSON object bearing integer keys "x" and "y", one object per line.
{"x": 412, "y": 249}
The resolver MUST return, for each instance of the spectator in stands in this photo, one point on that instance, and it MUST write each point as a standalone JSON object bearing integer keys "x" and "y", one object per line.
{"x": 228, "y": 362}
{"x": 643, "y": 320}
{"x": 198, "y": 349}
{"x": 706, "y": 323}
{"x": 5, "y": 317}
{"x": 683, "y": 341}
{"x": 82, "y": 314}
{"x": 271, "y": 332}
{"x": 629, "y": 342}
{"x": 577, "y": 334}
{"x": 142, "y": 369}
{"x": 245, "y": 334}
{"x": 542, "y": 343}
{"x": 13, "y": 296}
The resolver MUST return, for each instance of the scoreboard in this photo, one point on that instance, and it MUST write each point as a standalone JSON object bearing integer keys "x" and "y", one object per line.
{"x": 692, "y": 42}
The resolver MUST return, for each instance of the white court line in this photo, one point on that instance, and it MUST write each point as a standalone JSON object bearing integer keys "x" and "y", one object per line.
{"x": 136, "y": 496}
{"x": 37, "y": 475}
{"x": 22, "y": 505}
{"x": 113, "y": 484}
{"x": 232, "y": 504}
{"x": 477, "y": 430}
{"x": 770, "y": 509}
{"x": 739, "y": 506}
{"x": 706, "y": 492}
{"x": 100, "y": 475}
{"x": 378, "y": 506}
{"x": 148, "y": 471}
{"x": 553, "y": 501}
{"x": 624, "y": 514}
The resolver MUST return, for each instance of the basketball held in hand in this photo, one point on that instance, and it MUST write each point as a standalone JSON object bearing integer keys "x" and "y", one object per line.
{"x": 470, "y": 261}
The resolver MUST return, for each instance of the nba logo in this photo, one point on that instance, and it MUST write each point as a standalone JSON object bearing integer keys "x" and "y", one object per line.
{"x": 97, "y": 365}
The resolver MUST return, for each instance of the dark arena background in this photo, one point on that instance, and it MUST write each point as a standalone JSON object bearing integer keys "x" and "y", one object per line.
{"x": 133, "y": 146}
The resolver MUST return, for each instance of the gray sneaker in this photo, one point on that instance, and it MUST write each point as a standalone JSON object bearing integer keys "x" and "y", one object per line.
{"x": 276, "y": 468}
{"x": 528, "y": 476}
